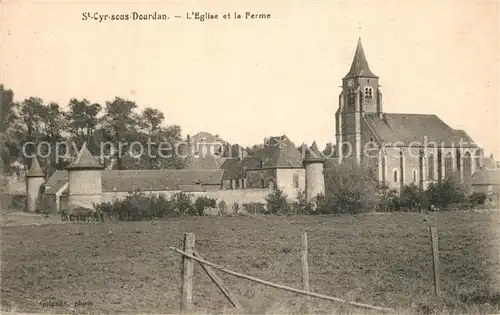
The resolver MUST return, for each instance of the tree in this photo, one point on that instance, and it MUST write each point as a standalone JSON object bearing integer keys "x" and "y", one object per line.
{"x": 277, "y": 201}
{"x": 53, "y": 123}
{"x": 83, "y": 122}
{"x": 445, "y": 193}
{"x": 351, "y": 188}
{"x": 329, "y": 150}
{"x": 9, "y": 129}
{"x": 152, "y": 120}
{"x": 410, "y": 197}
{"x": 120, "y": 123}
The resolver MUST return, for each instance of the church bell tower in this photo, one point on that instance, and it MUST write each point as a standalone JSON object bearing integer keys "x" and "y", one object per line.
{"x": 360, "y": 96}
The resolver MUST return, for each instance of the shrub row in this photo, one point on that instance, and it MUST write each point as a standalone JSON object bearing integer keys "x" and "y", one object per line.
{"x": 139, "y": 206}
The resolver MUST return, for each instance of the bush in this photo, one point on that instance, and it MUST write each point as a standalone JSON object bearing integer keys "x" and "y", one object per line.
{"x": 183, "y": 203}
{"x": 236, "y": 207}
{"x": 222, "y": 206}
{"x": 350, "y": 188}
{"x": 302, "y": 206}
{"x": 277, "y": 202}
{"x": 138, "y": 206}
{"x": 410, "y": 197}
{"x": 254, "y": 207}
{"x": 388, "y": 199}
{"x": 444, "y": 194}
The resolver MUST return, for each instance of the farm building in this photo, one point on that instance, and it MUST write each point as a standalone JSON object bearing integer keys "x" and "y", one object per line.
{"x": 86, "y": 182}
{"x": 487, "y": 182}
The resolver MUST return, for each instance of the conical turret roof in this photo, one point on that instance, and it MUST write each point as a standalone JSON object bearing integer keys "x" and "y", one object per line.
{"x": 35, "y": 169}
{"x": 359, "y": 66}
{"x": 84, "y": 161}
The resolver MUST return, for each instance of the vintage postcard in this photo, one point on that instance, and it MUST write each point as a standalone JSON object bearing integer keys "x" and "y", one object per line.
{"x": 250, "y": 157}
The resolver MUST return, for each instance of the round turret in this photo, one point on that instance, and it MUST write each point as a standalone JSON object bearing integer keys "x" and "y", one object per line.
{"x": 35, "y": 178}
{"x": 315, "y": 179}
{"x": 84, "y": 181}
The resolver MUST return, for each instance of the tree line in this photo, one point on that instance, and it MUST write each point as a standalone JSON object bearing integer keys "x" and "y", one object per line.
{"x": 81, "y": 121}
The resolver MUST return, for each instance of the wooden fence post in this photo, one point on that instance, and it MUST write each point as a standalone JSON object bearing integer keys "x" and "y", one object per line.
{"x": 305, "y": 269}
{"x": 435, "y": 258}
{"x": 187, "y": 274}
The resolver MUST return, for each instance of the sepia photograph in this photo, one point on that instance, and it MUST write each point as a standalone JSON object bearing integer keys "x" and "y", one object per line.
{"x": 249, "y": 157}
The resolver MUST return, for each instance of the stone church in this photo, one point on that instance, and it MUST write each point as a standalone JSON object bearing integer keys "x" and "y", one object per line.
{"x": 401, "y": 148}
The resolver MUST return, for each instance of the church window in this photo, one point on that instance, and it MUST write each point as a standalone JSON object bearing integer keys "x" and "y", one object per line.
{"x": 448, "y": 165}
{"x": 368, "y": 92}
{"x": 430, "y": 166}
{"x": 478, "y": 159}
{"x": 414, "y": 176}
{"x": 467, "y": 165}
{"x": 395, "y": 176}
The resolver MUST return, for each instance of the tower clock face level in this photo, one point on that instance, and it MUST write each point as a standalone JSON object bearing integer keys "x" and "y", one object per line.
{"x": 350, "y": 83}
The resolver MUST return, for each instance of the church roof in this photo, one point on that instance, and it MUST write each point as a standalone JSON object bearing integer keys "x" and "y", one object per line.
{"x": 416, "y": 130}
{"x": 280, "y": 152}
{"x": 359, "y": 66}
{"x": 84, "y": 161}
{"x": 35, "y": 169}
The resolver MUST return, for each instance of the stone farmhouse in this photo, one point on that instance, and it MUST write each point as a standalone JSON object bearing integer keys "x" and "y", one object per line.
{"x": 85, "y": 182}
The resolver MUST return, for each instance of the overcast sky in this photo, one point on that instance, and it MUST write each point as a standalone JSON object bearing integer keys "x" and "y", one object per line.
{"x": 248, "y": 79}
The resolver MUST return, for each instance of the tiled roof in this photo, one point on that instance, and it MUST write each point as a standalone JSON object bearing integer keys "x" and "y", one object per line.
{"x": 233, "y": 169}
{"x": 406, "y": 129}
{"x": 157, "y": 180}
{"x": 359, "y": 66}
{"x": 35, "y": 169}
{"x": 154, "y": 180}
{"x": 202, "y": 161}
{"x": 280, "y": 152}
{"x": 486, "y": 177}
{"x": 85, "y": 160}
{"x": 56, "y": 176}
{"x": 250, "y": 162}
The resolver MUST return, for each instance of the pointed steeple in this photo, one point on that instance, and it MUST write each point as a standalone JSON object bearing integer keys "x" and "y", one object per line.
{"x": 359, "y": 66}
{"x": 35, "y": 169}
{"x": 85, "y": 161}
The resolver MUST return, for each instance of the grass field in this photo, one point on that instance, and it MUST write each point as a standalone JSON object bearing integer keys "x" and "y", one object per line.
{"x": 383, "y": 260}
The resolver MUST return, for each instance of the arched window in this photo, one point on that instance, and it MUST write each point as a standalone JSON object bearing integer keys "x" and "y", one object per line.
{"x": 414, "y": 176}
{"x": 448, "y": 165}
{"x": 467, "y": 165}
{"x": 478, "y": 159}
{"x": 395, "y": 175}
{"x": 430, "y": 166}
{"x": 368, "y": 92}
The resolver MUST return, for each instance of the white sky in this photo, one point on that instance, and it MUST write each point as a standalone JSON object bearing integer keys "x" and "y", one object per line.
{"x": 248, "y": 79}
